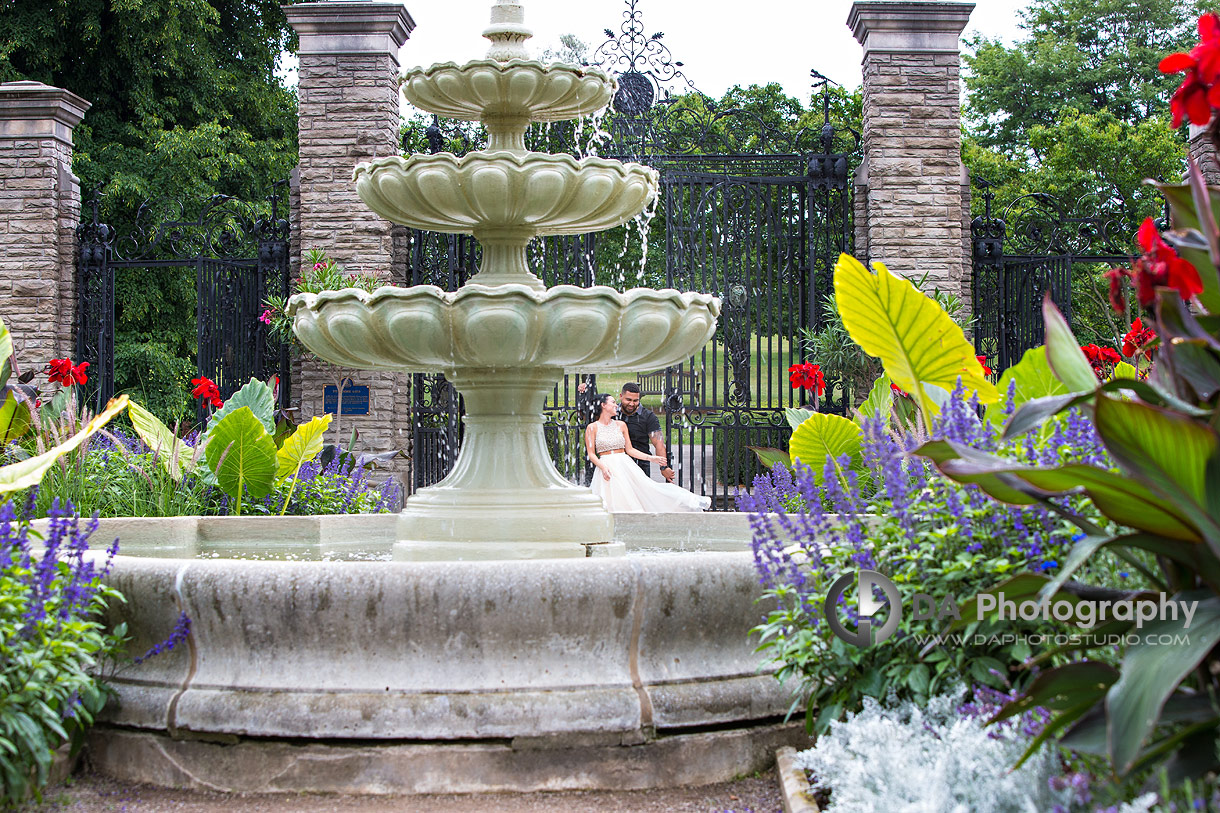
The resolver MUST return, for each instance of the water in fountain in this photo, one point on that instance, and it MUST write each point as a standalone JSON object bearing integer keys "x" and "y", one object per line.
{"x": 504, "y": 339}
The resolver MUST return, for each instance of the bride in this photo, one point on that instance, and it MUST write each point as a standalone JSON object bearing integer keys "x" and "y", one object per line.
{"x": 620, "y": 483}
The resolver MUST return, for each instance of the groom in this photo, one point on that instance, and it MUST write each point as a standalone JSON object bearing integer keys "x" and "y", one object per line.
{"x": 643, "y": 426}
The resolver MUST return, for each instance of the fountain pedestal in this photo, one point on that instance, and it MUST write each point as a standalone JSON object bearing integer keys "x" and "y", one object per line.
{"x": 503, "y": 486}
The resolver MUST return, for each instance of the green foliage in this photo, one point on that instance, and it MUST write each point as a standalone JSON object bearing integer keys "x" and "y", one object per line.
{"x": 186, "y": 104}
{"x": 241, "y": 454}
{"x": 320, "y": 274}
{"x": 50, "y": 646}
{"x": 822, "y": 436}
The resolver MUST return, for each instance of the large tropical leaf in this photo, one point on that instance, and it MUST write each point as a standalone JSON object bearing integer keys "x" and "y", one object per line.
{"x": 256, "y": 396}
{"x": 1064, "y": 353}
{"x": 175, "y": 454}
{"x": 1165, "y": 652}
{"x": 26, "y": 473}
{"x": 301, "y": 446}
{"x": 14, "y": 418}
{"x": 917, "y": 342}
{"x": 1164, "y": 450}
{"x": 770, "y": 456}
{"x": 241, "y": 452}
{"x": 821, "y": 436}
{"x": 1119, "y": 497}
{"x": 1030, "y": 378}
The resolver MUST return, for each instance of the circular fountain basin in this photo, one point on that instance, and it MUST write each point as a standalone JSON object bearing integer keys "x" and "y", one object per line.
{"x": 362, "y": 676}
{"x": 478, "y": 327}
{"x": 522, "y": 88}
{"x": 533, "y": 193}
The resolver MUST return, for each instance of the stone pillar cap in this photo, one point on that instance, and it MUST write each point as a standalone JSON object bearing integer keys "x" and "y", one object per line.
{"x": 908, "y": 26}
{"x": 332, "y": 27}
{"x": 34, "y": 110}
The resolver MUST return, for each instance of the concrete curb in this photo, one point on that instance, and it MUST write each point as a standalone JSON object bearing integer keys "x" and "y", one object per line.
{"x": 792, "y": 784}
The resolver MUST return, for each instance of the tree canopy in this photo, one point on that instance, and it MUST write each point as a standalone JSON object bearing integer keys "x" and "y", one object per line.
{"x": 186, "y": 104}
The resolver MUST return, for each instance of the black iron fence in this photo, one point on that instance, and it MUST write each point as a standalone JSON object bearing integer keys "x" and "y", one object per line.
{"x": 237, "y": 252}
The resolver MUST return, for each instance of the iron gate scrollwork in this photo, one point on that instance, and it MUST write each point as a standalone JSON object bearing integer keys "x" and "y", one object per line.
{"x": 238, "y": 254}
{"x": 1028, "y": 251}
{"x": 750, "y": 212}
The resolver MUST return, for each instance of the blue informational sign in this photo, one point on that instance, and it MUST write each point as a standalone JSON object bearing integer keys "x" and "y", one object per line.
{"x": 355, "y": 399}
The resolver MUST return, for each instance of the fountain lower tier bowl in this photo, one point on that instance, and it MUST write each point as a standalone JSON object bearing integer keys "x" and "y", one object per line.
{"x": 495, "y": 193}
{"x": 435, "y": 677}
{"x": 524, "y": 89}
{"x": 505, "y": 327}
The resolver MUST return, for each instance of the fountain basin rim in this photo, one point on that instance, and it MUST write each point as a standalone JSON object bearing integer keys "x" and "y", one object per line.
{"x": 473, "y": 109}
{"x": 394, "y": 293}
{"x": 522, "y": 161}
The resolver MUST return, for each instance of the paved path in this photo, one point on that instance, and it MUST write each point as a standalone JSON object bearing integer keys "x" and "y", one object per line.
{"x": 94, "y": 794}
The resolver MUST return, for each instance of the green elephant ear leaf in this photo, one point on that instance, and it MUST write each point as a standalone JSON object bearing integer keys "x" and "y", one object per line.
{"x": 301, "y": 446}
{"x": 242, "y": 455}
{"x": 14, "y": 419}
{"x": 29, "y": 472}
{"x": 821, "y": 436}
{"x": 1033, "y": 378}
{"x": 1124, "y": 370}
{"x": 174, "y": 454}
{"x": 255, "y": 395}
{"x": 916, "y": 340}
{"x": 769, "y": 456}
{"x": 880, "y": 401}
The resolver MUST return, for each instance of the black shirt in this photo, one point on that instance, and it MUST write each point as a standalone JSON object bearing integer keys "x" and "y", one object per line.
{"x": 640, "y": 426}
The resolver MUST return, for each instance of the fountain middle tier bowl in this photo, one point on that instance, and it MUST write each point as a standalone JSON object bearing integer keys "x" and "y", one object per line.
{"x": 425, "y": 329}
{"x": 501, "y": 192}
{"x": 527, "y": 89}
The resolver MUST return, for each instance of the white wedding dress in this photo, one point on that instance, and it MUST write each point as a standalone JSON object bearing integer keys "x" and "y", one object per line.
{"x": 629, "y": 489}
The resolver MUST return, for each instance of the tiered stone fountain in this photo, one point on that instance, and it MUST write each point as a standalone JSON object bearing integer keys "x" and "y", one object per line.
{"x": 504, "y": 340}
{"x": 461, "y": 676}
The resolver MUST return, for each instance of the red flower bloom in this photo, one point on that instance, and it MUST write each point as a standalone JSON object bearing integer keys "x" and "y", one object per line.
{"x": 1101, "y": 359}
{"x": 1138, "y": 339}
{"x": 807, "y": 376}
{"x": 1198, "y": 94}
{"x": 983, "y": 361}
{"x": 62, "y": 371}
{"x": 898, "y": 390}
{"x": 1159, "y": 266}
{"x": 206, "y": 390}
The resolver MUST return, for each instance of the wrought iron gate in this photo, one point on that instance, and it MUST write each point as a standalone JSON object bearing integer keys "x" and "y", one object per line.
{"x": 239, "y": 255}
{"x": 1028, "y": 251}
{"x": 751, "y": 214}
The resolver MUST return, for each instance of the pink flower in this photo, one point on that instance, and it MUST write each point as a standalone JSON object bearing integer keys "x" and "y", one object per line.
{"x": 266, "y": 317}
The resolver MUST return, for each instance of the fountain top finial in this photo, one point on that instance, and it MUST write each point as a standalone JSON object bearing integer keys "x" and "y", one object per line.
{"x": 507, "y": 31}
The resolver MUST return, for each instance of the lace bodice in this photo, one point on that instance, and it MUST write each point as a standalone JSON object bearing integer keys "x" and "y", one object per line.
{"x": 608, "y": 437}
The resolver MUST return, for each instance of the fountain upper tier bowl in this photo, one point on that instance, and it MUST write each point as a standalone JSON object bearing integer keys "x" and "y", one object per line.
{"x": 426, "y": 329}
{"x": 522, "y": 89}
{"x": 490, "y": 192}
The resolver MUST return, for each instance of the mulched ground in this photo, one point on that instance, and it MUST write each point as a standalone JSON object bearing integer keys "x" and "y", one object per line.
{"x": 90, "y": 793}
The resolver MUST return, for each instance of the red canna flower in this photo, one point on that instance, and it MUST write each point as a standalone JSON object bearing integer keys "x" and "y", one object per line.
{"x": 1101, "y": 359}
{"x": 62, "y": 371}
{"x": 207, "y": 391}
{"x": 1138, "y": 340}
{"x": 1159, "y": 266}
{"x": 1198, "y": 93}
{"x": 807, "y": 376}
{"x": 983, "y": 361}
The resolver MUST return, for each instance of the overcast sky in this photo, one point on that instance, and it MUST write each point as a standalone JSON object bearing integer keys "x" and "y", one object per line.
{"x": 720, "y": 43}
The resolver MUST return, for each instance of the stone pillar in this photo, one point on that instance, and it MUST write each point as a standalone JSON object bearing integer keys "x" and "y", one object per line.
{"x": 1204, "y": 152}
{"x": 349, "y": 113}
{"x": 39, "y": 212}
{"x": 909, "y": 188}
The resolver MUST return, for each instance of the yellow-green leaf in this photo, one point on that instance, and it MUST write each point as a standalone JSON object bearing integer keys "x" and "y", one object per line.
{"x": 880, "y": 401}
{"x": 26, "y": 473}
{"x": 821, "y": 436}
{"x": 1124, "y": 370}
{"x": 174, "y": 453}
{"x": 14, "y": 419}
{"x": 917, "y": 342}
{"x": 301, "y": 446}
